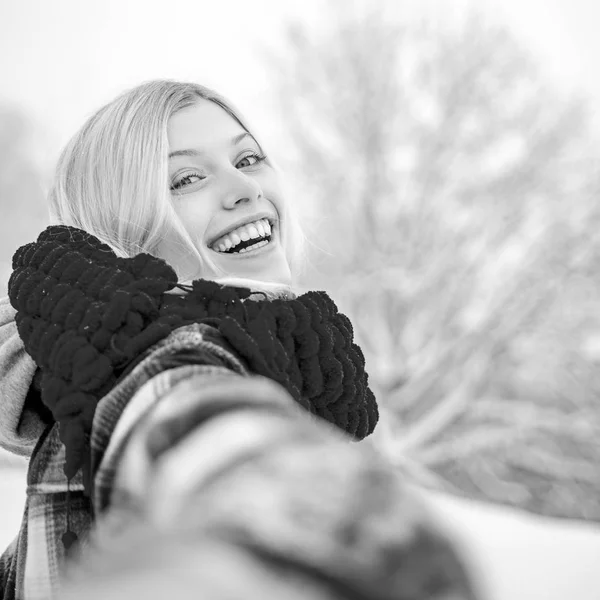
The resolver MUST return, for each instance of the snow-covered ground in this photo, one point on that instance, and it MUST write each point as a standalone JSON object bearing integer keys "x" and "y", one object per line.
{"x": 516, "y": 556}
{"x": 520, "y": 556}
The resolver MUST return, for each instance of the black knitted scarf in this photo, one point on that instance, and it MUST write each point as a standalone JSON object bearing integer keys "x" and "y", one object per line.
{"x": 85, "y": 316}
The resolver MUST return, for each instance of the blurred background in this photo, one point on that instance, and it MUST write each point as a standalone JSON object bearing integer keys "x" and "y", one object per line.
{"x": 445, "y": 157}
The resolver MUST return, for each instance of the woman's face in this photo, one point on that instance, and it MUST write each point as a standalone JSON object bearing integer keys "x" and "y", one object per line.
{"x": 226, "y": 195}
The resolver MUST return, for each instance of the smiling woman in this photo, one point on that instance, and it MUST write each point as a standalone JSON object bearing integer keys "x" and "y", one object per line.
{"x": 113, "y": 367}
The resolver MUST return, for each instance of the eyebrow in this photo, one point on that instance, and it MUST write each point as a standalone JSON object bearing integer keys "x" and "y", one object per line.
{"x": 195, "y": 152}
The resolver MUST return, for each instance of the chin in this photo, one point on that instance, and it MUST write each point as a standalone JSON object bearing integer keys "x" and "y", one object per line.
{"x": 277, "y": 273}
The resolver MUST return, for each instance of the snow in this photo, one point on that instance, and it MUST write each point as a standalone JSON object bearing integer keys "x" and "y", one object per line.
{"x": 519, "y": 556}
{"x": 514, "y": 555}
{"x": 12, "y": 503}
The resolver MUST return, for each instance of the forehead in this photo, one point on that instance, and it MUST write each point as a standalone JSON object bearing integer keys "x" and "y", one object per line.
{"x": 203, "y": 125}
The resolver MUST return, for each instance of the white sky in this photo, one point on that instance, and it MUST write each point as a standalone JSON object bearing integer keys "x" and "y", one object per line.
{"x": 62, "y": 59}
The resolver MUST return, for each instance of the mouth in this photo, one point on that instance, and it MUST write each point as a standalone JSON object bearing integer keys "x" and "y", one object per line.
{"x": 259, "y": 239}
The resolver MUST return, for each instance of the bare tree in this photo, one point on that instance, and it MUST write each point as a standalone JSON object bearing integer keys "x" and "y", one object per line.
{"x": 456, "y": 193}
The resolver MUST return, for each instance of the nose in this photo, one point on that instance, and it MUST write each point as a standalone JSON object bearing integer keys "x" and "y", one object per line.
{"x": 238, "y": 188}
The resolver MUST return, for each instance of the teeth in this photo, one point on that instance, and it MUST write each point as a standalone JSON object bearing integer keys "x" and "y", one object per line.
{"x": 254, "y": 247}
{"x": 254, "y": 230}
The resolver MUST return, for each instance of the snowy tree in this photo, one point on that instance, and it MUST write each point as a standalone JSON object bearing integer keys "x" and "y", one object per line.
{"x": 455, "y": 192}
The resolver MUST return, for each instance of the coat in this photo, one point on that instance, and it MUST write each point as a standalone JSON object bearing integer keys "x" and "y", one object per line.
{"x": 192, "y": 449}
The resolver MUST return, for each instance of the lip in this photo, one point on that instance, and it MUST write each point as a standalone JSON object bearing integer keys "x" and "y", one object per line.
{"x": 254, "y": 253}
{"x": 239, "y": 223}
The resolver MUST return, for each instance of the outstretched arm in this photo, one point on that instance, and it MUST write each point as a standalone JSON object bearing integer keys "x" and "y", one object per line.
{"x": 228, "y": 488}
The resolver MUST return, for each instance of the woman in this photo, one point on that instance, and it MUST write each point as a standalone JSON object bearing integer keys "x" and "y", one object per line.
{"x": 165, "y": 184}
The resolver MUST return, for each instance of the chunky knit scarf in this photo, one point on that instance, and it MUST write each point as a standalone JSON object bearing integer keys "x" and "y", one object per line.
{"x": 85, "y": 316}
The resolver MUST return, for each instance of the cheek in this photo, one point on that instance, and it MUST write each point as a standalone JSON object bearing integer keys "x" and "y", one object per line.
{"x": 194, "y": 219}
{"x": 273, "y": 192}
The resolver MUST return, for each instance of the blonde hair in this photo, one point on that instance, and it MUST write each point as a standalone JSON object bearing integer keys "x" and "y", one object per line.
{"x": 111, "y": 179}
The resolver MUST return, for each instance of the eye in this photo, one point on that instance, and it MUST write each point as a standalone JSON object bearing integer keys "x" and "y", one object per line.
{"x": 254, "y": 158}
{"x": 186, "y": 180}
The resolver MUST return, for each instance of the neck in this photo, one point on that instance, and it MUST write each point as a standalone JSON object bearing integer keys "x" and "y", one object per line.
{"x": 262, "y": 290}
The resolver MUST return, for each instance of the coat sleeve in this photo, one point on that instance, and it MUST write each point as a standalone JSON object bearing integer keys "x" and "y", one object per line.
{"x": 20, "y": 423}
